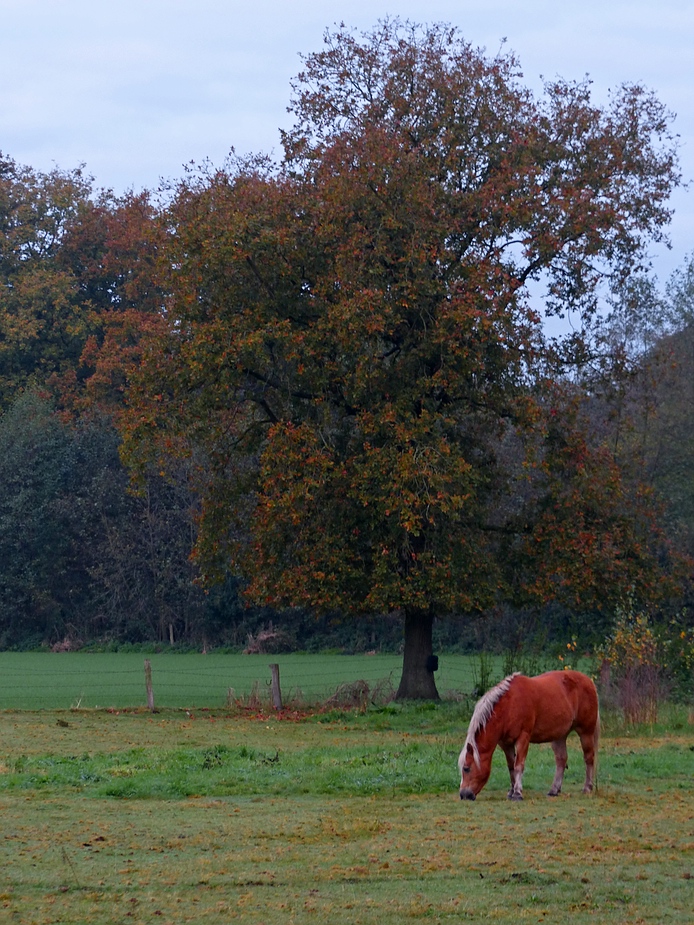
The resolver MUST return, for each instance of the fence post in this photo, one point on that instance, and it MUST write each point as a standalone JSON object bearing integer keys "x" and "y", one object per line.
{"x": 148, "y": 685}
{"x": 276, "y": 692}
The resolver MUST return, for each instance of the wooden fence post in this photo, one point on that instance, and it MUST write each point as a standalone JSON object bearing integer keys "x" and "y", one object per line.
{"x": 276, "y": 692}
{"x": 148, "y": 685}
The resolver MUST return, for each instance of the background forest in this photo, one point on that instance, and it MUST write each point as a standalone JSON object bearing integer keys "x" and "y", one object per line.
{"x": 98, "y": 299}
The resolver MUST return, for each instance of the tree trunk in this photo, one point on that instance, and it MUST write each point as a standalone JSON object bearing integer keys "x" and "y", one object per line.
{"x": 417, "y": 682}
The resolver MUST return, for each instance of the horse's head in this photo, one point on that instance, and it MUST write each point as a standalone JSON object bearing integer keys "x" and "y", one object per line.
{"x": 473, "y": 774}
{"x": 475, "y": 760}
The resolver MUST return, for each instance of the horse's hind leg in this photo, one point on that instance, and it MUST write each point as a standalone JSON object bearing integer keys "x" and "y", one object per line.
{"x": 560, "y": 757}
{"x": 588, "y": 744}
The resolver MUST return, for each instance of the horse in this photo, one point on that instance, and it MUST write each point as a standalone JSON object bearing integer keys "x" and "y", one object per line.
{"x": 521, "y": 710}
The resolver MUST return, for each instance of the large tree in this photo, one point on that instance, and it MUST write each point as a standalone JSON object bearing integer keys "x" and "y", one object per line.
{"x": 653, "y": 431}
{"x": 352, "y": 351}
{"x": 43, "y": 317}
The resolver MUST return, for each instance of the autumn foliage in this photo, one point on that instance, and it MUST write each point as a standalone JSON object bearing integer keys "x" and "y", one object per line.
{"x": 351, "y": 356}
{"x": 332, "y": 375}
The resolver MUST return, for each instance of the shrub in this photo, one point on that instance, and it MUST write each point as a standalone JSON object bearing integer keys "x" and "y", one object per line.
{"x": 631, "y": 673}
{"x": 676, "y": 641}
{"x": 642, "y": 661}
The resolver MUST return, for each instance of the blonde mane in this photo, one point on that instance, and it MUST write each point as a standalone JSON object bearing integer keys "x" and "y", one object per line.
{"x": 480, "y": 717}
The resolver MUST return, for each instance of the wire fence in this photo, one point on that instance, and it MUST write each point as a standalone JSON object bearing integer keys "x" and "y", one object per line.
{"x": 75, "y": 680}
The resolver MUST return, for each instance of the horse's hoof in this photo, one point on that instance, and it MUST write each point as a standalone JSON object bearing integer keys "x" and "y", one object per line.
{"x": 515, "y": 797}
{"x": 553, "y": 793}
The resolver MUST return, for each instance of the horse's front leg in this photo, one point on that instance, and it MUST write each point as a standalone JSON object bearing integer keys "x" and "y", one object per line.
{"x": 560, "y": 757}
{"x": 510, "y": 752}
{"x": 521, "y": 749}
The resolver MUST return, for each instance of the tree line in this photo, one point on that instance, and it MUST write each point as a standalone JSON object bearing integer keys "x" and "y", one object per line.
{"x": 325, "y": 386}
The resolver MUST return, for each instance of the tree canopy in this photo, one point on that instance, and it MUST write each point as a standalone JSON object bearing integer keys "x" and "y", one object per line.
{"x": 352, "y": 351}
{"x": 344, "y": 355}
{"x": 42, "y": 323}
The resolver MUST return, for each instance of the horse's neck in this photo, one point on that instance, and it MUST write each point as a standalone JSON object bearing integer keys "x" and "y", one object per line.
{"x": 488, "y": 737}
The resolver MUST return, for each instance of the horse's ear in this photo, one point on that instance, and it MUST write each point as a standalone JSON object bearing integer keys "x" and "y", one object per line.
{"x": 469, "y": 750}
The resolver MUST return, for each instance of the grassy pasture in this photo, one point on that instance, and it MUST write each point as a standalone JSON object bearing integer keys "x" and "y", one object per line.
{"x": 338, "y": 818}
{"x": 44, "y": 680}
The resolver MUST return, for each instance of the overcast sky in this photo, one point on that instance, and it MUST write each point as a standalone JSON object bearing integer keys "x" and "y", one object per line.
{"x": 135, "y": 89}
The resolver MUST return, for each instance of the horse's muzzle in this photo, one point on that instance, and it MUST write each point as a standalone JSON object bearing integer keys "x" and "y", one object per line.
{"x": 467, "y": 794}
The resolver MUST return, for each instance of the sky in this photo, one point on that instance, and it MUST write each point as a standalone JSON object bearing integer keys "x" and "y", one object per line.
{"x": 136, "y": 89}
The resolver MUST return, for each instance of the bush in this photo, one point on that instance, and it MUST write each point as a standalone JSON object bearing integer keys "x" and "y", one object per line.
{"x": 643, "y": 662}
{"x": 676, "y": 642}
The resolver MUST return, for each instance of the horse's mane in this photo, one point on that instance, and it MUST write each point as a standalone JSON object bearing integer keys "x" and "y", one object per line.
{"x": 480, "y": 716}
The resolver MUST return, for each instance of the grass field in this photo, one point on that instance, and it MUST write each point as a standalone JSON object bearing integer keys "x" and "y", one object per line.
{"x": 44, "y": 680}
{"x": 338, "y": 817}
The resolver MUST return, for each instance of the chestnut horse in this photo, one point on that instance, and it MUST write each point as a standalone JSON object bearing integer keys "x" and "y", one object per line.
{"x": 522, "y": 710}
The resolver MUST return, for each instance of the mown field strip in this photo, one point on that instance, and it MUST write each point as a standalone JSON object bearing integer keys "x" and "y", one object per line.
{"x": 40, "y": 681}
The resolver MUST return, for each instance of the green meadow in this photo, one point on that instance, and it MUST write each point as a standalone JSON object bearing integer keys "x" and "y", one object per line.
{"x": 46, "y": 680}
{"x": 335, "y": 816}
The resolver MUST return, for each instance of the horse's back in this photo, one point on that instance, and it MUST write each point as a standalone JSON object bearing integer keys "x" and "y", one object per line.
{"x": 553, "y": 704}
{"x": 579, "y": 691}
